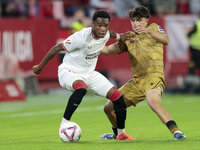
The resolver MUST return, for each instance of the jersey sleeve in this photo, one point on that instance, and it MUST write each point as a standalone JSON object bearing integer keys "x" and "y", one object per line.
{"x": 157, "y": 28}
{"x": 73, "y": 42}
{"x": 122, "y": 46}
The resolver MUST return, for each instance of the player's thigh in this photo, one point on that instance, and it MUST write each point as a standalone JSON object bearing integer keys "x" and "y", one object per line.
{"x": 127, "y": 102}
{"x": 66, "y": 79}
{"x": 98, "y": 84}
{"x": 153, "y": 96}
{"x": 154, "y": 86}
{"x": 132, "y": 93}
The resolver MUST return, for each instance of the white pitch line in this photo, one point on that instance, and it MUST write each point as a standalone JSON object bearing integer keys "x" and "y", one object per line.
{"x": 84, "y": 109}
{"x": 51, "y": 112}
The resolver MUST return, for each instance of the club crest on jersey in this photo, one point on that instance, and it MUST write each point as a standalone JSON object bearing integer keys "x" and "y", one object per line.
{"x": 161, "y": 30}
{"x": 73, "y": 71}
{"x": 68, "y": 42}
{"x": 89, "y": 47}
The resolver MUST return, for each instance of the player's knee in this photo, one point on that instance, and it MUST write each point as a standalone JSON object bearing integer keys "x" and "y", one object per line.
{"x": 153, "y": 97}
{"x": 108, "y": 108}
{"x": 153, "y": 103}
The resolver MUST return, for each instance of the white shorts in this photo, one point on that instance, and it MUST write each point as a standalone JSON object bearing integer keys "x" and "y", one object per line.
{"x": 96, "y": 82}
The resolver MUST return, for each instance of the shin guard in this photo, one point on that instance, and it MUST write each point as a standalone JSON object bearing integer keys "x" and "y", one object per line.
{"x": 74, "y": 101}
{"x": 119, "y": 108}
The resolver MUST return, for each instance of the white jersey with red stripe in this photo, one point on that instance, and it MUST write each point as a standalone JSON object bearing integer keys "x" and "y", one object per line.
{"x": 82, "y": 51}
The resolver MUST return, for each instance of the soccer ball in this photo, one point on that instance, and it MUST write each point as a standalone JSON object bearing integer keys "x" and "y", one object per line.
{"x": 70, "y": 132}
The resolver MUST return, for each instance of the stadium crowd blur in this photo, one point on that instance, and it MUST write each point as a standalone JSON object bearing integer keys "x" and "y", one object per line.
{"x": 77, "y": 14}
{"x": 66, "y": 10}
{"x": 60, "y": 9}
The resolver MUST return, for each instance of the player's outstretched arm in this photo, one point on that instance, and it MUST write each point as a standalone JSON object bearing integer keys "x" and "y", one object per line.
{"x": 122, "y": 36}
{"x": 111, "y": 49}
{"x": 37, "y": 69}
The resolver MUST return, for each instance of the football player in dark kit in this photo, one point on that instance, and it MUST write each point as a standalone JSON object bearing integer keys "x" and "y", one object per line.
{"x": 145, "y": 52}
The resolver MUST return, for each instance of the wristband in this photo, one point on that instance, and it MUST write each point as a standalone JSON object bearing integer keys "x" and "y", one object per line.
{"x": 118, "y": 36}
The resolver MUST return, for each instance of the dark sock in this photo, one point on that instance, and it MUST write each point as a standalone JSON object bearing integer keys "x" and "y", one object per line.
{"x": 120, "y": 111}
{"x": 172, "y": 126}
{"x": 74, "y": 100}
{"x": 115, "y": 131}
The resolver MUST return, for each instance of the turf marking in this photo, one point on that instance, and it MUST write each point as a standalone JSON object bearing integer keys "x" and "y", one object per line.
{"x": 85, "y": 109}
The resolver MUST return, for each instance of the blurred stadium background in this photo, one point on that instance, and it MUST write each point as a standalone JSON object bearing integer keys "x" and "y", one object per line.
{"x": 29, "y": 28}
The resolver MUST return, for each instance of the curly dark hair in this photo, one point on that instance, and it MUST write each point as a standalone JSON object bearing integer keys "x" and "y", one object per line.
{"x": 101, "y": 14}
{"x": 139, "y": 12}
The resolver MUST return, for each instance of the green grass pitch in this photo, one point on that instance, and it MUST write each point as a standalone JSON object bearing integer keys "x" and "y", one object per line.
{"x": 33, "y": 125}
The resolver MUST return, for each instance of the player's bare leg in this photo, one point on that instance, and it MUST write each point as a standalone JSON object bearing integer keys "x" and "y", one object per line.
{"x": 108, "y": 109}
{"x": 153, "y": 98}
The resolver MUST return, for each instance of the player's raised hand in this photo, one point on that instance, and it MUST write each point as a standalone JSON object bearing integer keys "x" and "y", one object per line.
{"x": 139, "y": 29}
{"x": 36, "y": 69}
{"x": 126, "y": 36}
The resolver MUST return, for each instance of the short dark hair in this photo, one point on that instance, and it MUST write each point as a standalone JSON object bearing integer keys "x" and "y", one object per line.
{"x": 101, "y": 14}
{"x": 139, "y": 12}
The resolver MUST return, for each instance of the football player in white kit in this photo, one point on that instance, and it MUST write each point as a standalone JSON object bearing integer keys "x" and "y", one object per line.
{"x": 76, "y": 73}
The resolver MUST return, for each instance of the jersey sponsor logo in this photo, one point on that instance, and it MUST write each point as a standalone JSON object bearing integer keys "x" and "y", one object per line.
{"x": 142, "y": 38}
{"x": 68, "y": 42}
{"x": 161, "y": 30}
{"x": 92, "y": 56}
{"x": 89, "y": 47}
